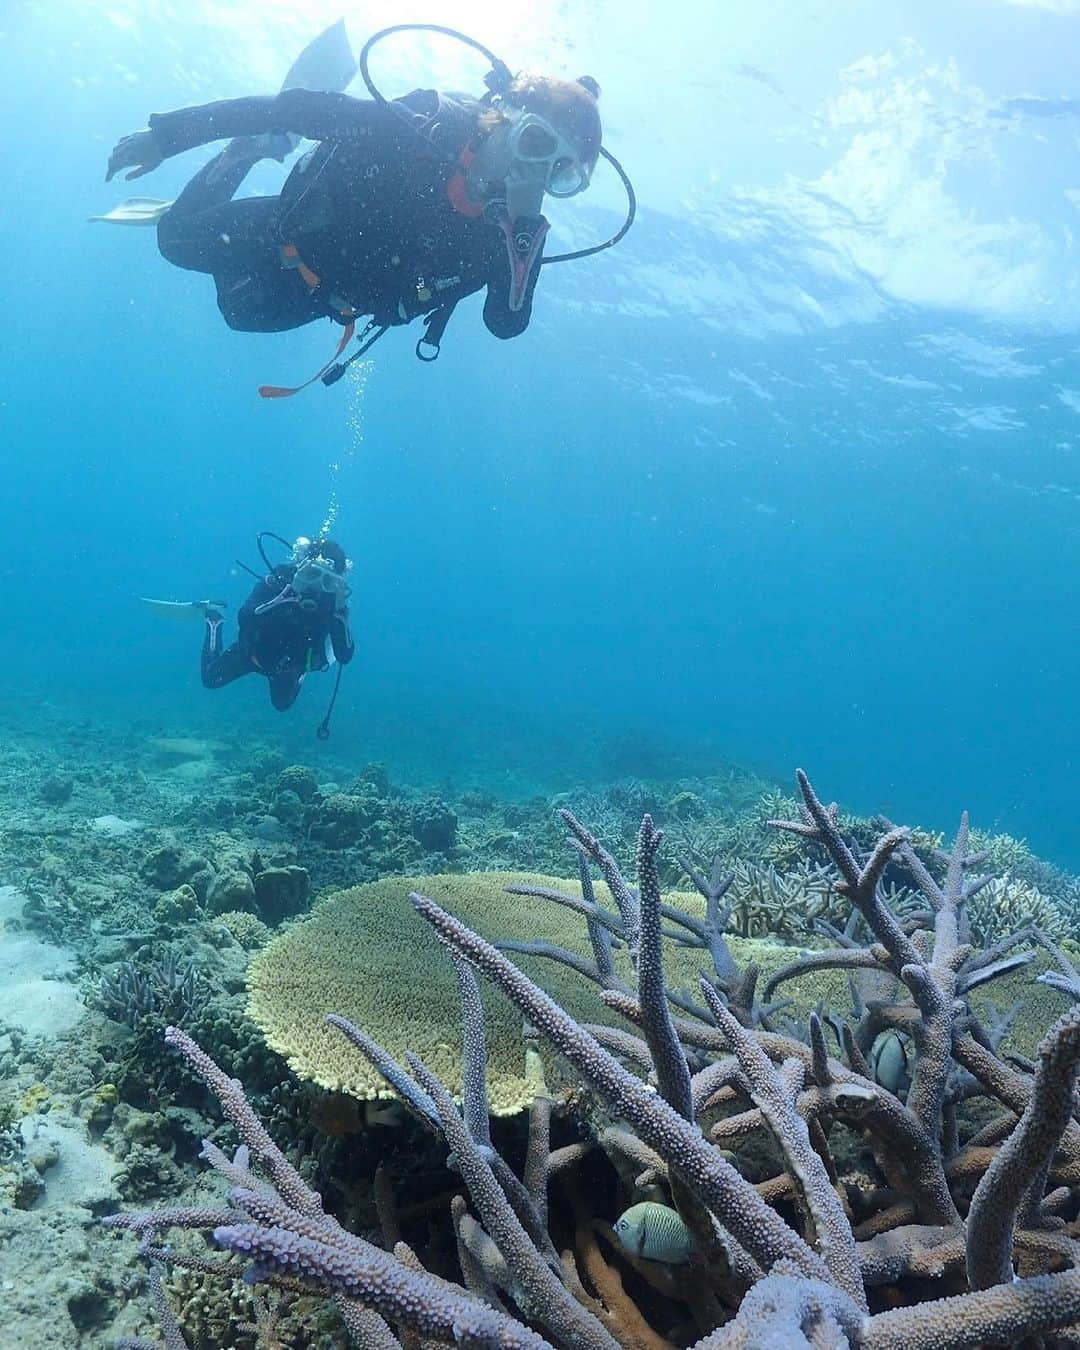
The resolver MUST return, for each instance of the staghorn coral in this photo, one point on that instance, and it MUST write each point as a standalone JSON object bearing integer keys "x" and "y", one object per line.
{"x": 165, "y": 988}
{"x": 795, "y": 902}
{"x": 1005, "y": 904}
{"x": 1003, "y": 852}
{"x": 795, "y": 1270}
{"x": 766, "y": 900}
{"x": 1023, "y": 1160}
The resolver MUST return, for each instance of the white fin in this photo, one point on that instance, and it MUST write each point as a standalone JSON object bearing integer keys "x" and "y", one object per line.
{"x": 181, "y": 609}
{"x": 325, "y": 64}
{"x": 135, "y": 211}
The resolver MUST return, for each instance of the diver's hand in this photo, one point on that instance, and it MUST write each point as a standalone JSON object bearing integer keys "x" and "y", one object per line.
{"x": 138, "y": 153}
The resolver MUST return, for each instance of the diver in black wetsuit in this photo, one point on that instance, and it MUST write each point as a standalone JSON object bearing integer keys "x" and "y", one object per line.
{"x": 286, "y": 624}
{"x": 373, "y": 221}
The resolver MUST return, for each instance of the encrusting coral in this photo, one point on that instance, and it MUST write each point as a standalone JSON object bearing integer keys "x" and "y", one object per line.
{"x": 963, "y": 1233}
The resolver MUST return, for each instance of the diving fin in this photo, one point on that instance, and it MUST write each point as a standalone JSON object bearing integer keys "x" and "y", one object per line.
{"x": 182, "y": 609}
{"x": 327, "y": 66}
{"x": 135, "y": 211}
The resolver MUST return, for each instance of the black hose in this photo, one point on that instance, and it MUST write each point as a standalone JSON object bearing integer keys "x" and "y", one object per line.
{"x": 631, "y": 214}
{"x": 497, "y": 79}
{"x": 269, "y": 534}
{"x": 249, "y": 570}
{"x": 322, "y": 731}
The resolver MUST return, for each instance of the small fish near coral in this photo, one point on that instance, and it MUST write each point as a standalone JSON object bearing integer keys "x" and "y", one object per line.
{"x": 655, "y": 1232}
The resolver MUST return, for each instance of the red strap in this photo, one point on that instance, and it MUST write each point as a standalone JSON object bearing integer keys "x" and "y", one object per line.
{"x": 290, "y": 255}
{"x": 457, "y": 191}
{"x": 280, "y": 391}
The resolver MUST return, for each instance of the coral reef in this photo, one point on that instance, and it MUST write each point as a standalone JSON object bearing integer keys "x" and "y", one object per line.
{"x": 245, "y": 929}
{"x": 940, "y": 1214}
{"x": 95, "y": 1112}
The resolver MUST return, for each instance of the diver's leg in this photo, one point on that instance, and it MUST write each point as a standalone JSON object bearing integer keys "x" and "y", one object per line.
{"x": 206, "y": 231}
{"x": 218, "y": 181}
{"x": 236, "y": 242}
{"x": 283, "y": 691}
{"x": 230, "y": 665}
{"x": 217, "y": 666}
{"x": 266, "y": 299}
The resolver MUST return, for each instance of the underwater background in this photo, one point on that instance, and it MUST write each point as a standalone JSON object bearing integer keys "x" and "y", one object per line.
{"x": 790, "y": 476}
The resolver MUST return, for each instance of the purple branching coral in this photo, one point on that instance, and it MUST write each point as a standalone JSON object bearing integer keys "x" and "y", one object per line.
{"x": 989, "y": 1221}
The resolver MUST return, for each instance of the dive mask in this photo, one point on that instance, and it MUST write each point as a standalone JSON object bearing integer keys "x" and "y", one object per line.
{"x": 534, "y": 141}
{"x": 315, "y": 577}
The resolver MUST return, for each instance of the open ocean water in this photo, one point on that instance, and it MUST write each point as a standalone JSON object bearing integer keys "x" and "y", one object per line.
{"x": 790, "y": 474}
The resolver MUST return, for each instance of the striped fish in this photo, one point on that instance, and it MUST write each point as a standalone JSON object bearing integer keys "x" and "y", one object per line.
{"x": 655, "y": 1232}
{"x": 888, "y": 1059}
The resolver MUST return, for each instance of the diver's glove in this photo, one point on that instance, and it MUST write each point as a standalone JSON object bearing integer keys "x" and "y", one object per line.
{"x": 139, "y": 153}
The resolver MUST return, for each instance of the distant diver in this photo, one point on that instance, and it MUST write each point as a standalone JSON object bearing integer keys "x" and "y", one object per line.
{"x": 296, "y": 620}
{"x": 403, "y": 208}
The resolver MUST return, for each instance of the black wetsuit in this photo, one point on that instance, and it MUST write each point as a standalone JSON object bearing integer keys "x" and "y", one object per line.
{"x": 368, "y": 211}
{"x": 283, "y": 643}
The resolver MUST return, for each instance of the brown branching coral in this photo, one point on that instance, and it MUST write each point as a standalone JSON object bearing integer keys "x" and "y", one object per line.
{"x": 817, "y": 1255}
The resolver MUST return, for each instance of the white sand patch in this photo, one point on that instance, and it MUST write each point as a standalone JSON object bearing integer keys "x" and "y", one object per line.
{"x": 35, "y": 992}
{"x": 114, "y": 827}
{"x": 76, "y": 1171}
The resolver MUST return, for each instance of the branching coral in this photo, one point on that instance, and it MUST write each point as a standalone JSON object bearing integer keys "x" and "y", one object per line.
{"x": 165, "y": 988}
{"x": 1005, "y": 904}
{"x": 800, "y": 1259}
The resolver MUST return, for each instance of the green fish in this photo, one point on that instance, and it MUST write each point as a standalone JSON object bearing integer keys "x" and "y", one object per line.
{"x": 655, "y": 1232}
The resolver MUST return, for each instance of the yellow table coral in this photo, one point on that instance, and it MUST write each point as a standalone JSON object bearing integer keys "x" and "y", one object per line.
{"x": 366, "y": 955}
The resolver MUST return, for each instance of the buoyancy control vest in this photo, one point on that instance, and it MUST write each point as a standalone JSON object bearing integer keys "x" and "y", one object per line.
{"x": 370, "y": 216}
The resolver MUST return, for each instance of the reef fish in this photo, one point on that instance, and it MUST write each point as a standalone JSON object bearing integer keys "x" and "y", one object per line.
{"x": 888, "y": 1059}
{"x": 655, "y": 1232}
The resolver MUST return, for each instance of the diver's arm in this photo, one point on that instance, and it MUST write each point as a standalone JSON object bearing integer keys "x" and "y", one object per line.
{"x": 341, "y": 636}
{"x": 314, "y": 115}
{"x": 499, "y": 318}
{"x": 246, "y": 617}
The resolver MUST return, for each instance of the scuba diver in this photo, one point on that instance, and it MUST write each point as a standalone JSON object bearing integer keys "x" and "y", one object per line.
{"x": 401, "y": 209}
{"x": 295, "y": 618}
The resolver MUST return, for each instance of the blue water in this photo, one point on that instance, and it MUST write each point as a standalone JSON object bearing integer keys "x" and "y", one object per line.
{"x": 775, "y": 482}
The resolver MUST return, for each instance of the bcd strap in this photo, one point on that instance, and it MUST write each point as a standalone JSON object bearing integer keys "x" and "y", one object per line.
{"x": 290, "y": 257}
{"x": 280, "y": 391}
{"x": 457, "y": 187}
{"x": 333, "y": 372}
{"x": 434, "y": 328}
